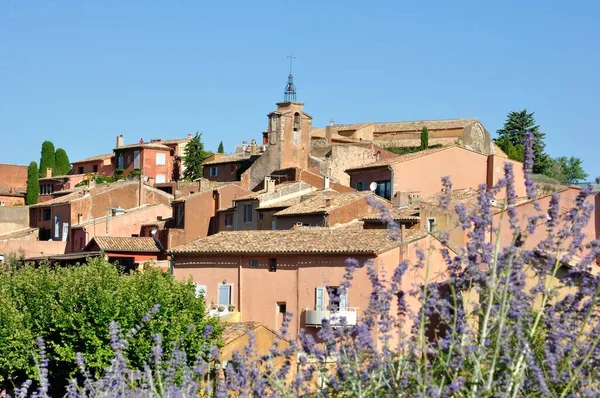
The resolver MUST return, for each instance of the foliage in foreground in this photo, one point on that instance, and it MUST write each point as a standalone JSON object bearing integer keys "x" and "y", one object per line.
{"x": 71, "y": 309}
{"x": 484, "y": 332}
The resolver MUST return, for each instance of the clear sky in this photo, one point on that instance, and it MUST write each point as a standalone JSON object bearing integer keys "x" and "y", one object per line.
{"x": 79, "y": 73}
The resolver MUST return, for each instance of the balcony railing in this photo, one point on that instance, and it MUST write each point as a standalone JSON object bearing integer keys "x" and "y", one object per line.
{"x": 314, "y": 318}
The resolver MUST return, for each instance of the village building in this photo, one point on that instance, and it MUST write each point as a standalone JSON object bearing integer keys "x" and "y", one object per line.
{"x": 328, "y": 208}
{"x": 195, "y": 215}
{"x": 420, "y": 173}
{"x": 55, "y": 218}
{"x": 263, "y": 274}
{"x": 13, "y": 175}
{"x": 468, "y": 133}
{"x": 11, "y": 196}
{"x": 101, "y": 165}
{"x": 119, "y": 222}
{"x": 152, "y": 161}
{"x": 54, "y": 186}
{"x": 254, "y": 211}
{"x": 227, "y": 168}
{"x": 129, "y": 253}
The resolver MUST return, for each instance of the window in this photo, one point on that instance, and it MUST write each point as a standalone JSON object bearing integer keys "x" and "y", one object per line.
{"x": 320, "y": 298}
{"x": 161, "y": 159}
{"x": 95, "y": 168}
{"x": 273, "y": 224}
{"x": 296, "y": 121}
{"x": 431, "y": 224}
{"x": 213, "y": 171}
{"x": 200, "y": 290}
{"x": 2, "y": 203}
{"x": 224, "y": 294}
{"x": 179, "y": 211}
{"x": 248, "y": 213}
{"x": 46, "y": 215}
{"x": 120, "y": 161}
{"x": 384, "y": 189}
{"x": 281, "y": 308}
{"x": 80, "y": 170}
{"x": 336, "y": 300}
{"x": 160, "y": 178}
{"x": 272, "y": 265}
{"x": 360, "y": 185}
{"x": 228, "y": 219}
{"x": 254, "y": 263}
{"x": 261, "y": 215}
{"x": 136, "y": 159}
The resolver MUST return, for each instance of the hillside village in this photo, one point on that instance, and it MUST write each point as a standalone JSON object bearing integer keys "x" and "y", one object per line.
{"x": 269, "y": 227}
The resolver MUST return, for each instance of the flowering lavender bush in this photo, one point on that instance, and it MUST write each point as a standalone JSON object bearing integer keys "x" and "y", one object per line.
{"x": 511, "y": 319}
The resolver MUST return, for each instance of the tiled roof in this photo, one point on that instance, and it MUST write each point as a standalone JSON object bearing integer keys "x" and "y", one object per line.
{"x": 318, "y": 203}
{"x": 65, "y": 257}
{"x": 149, "y": 145}
{"x": 130, "y": 244}
{"x": 175, "y": 141}
{"x": 279, "y": 187}
{"x": 469, "y": 198}
{"x": 94, "y": 158}
{"x": 414, "y": 142}
{"x": 19, "y": 234}
{"x": 402, "y": 158}
{"x": 407, "y": 213}
{"x": 7, "y": 190}
{"x": 227, "y": 159}
{"x": 410, "y": 126}
{"x": 280, "y": 204}
{"x": 206, "y": 186}
{"x": 314, "y": 240}
{"x": 62, "y": 177}
{"x": 234, "y": 330}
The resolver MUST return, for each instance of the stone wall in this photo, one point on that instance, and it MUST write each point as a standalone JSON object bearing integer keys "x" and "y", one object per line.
{"x": 13, "y": 218}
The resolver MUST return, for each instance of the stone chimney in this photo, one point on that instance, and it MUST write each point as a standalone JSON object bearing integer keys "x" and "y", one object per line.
{"x": 269, "y": 184}
{"x": 120, "y": 141}
{"x": 190, "y": 136}
{"x": 265, "y": 135}
{"x": 48, "y": 172}
{"x": 402, "y": 233}
{"x": 253, "y": 147}
{"x": 328, "y": 202}
{"x": 326, "y": 183}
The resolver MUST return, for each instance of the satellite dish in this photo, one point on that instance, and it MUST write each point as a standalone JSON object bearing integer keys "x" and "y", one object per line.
{"x": 373, "y": 186}
{"x": 154, "y": 231}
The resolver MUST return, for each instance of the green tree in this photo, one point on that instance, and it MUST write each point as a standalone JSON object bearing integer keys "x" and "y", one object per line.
{"x": 516, "y": 126}
{"x": 424, "y": 138}
{"x": 221, "y": 148}
{"x": 193, "y": 157}
{"x": 47, "y": 159}
{"x": 62, "y": 165}
{"x": 33, "y": 184}
{"x": 71, "y": 308}
{"x": 567, "y": 170}
{"x": 514, "y": 152}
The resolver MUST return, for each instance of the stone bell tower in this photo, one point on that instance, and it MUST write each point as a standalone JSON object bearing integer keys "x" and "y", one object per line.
{"x": 289, "y": 129}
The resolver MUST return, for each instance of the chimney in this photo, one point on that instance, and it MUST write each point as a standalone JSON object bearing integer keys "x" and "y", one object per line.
{"x": 402, "y": 233}
{"x": 265, "y": 137}
{"x": 328, "y": 202}
{"x": 190, "y": 136}
{"x": 328, "y": 135}
{"x": 253, "y": 147}
{"x": 269, "y": 184}
{"x": 120, "y": 141}
{"x": 48, "y": 172}
{"x": 326, "y": 183}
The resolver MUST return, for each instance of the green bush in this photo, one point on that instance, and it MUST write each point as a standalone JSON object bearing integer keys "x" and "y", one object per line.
{"x": 72, "y": 308}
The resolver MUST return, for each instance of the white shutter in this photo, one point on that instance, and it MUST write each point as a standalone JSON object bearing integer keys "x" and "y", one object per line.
{"x": 224, "y": 294}
{"x": 344, "y": 301}
{"x": 320, "y": 298}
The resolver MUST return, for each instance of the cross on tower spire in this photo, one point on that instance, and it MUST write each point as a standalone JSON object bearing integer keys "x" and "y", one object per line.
{"x": 290, "y": 89}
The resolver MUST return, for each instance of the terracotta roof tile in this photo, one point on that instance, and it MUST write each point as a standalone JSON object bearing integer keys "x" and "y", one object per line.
{"x": 407, "y": 213}
{"x": 402, "y": 158}
{"x": 8, "y": 190}
{"x": 280, "y": 204}
{"x": 149, "y": 145}
{"x": 94, "y": 158}
{"x": 313, "y": 240}
{"x": 410, "y": 126}
{"x": 318, "y": 203}
{"x": 284, "y": 186}
{"x": 120, "y": 244}
{"x": 228, "y": 159}
{"x": 234, "y": 330}
{"x": 414, "y": 142}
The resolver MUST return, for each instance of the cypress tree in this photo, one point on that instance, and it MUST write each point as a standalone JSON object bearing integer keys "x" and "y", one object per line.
{"x": 47, "y": 160}
{"x": 221, "y": 148}
{"x": 33, "y": 185}
{"x": 424, "y": 138}
{"x": 62, "y": 165}
{"x": 193, "y": 157}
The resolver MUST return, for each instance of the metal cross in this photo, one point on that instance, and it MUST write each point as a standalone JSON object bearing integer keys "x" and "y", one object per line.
{"x": 291, "y": 57}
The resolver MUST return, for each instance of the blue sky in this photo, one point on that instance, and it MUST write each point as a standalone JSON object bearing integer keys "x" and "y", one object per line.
{"x": 79, "y": 73}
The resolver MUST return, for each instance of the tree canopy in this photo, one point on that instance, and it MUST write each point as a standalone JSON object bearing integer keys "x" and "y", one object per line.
{"x": 193, "y": 157}
{"x": 568, "y": 170}
{"x": 221, "y": 148}
{"x": 424, "y": 138}
{"x": 47, "y": 158}
{"x": 62, "y": 165}
{"x": 71, "y": 308}
{"x": 33, "y": 184}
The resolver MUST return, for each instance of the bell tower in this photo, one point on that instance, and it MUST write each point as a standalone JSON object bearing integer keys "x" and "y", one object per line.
{"x": 289, "y": 129}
